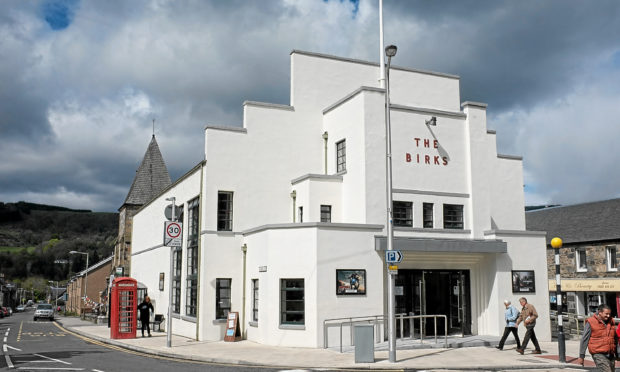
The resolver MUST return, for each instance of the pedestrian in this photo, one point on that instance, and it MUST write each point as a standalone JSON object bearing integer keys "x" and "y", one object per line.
{"x": 599, "y": 337}
{"x": 511, "y": 314}
{"x": 528, "y": 317}
{"x": 145, "y": 308}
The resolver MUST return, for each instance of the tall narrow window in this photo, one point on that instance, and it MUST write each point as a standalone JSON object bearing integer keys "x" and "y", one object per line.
{"x": 192, "y": 258}
{"x": 453, "y": 216}
{"x": 222, "y": 298}
{"x": 326, "y": 213}
{"x": 292, "y": 309}
{"x": 612, "y": 262}
{"x": 580, "y": 258}
{"x": 224, "y": 211}
{"x": 300, "y": 215}
{"x": 177, "y": 257}
{"x": 341, "y": 156}
{"x": 402, "y": 213}
{"x": 427, "y": 215}
{"x": 255, "y": 300}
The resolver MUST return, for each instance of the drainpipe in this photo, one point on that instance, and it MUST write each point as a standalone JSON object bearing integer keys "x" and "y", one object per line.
{"x": 200, "y": 202}
{"x": 325, "y": 136}
{"x": 294, "y": 196}
{"x": 244, "y": 249}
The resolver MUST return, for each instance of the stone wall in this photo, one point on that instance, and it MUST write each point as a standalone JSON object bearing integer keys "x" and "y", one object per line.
{"x": 596, "y": 261}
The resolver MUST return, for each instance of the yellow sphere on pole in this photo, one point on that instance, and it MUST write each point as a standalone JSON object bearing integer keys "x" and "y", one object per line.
{"x": 556, "y": 242}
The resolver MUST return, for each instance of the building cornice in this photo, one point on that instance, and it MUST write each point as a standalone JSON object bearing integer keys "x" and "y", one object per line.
{"x": 226, "y": 128}
{"x": 509, "y": 157}
{"x": 314, "y": 225}
{"x": 515, "y": 233}
{"x": 269, "y": 105}
{"x": 434, "y": 193}
{"x": 474, "y": 104}
{"x": 319, "y": 177}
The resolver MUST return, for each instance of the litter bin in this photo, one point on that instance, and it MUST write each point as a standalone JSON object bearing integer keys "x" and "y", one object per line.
{"x": 364, "y": 343}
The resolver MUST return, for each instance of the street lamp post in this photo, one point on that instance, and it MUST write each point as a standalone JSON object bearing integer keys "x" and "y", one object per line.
{"x": 169, "y": 322}
{"x": 86, "y": 277}
{"x": 556, "y": 243}
{"x": 390, "y": 51}
{"x": 55, "y": 291}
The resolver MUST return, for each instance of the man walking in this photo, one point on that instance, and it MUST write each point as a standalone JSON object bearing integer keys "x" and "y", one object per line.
{"x": 511, "y": 316}
{"x": 528, "y": 317}
{"x": 599, "y": 336}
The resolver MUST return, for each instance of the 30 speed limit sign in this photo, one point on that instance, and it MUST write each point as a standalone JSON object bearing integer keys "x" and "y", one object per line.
{"x": 173, "y": 234}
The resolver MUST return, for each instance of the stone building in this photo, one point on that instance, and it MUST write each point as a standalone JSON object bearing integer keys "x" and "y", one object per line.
{"x": 588, "y": 258}
{"x": 151, "y": 178}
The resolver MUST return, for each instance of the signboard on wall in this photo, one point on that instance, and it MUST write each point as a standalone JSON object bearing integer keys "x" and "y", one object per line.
{"x": 587, "y": 285}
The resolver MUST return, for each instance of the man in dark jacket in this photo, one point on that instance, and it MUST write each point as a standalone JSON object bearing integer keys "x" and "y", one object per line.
{"x": 599, "y": 337}
{"x": 145, "y": 308}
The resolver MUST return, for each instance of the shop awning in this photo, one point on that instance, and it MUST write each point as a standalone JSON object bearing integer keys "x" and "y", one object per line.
{"x": 586, "y": 285}
{"x": 442, "y": 245}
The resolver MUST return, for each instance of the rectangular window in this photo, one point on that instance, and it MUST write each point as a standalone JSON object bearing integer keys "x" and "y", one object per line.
{"x": 255, "y": 300}
{"x": 292, "y": 301}
{"x": 341, "y": 156}
{"x": 300, "y": 215}
{"x": 428, "y": 215}
{"x": 222, "y": 298}
{"x": 580, "y": 257}
{"x": 612, "y": 262}
{"x": 192, "y": 258}
{"x": 177, "y": 257}
{"x": 326, "y": 213}
{"x": 224, "y": 211}
{"x": 453, "y": 216}
{"x": 402, "y": 213}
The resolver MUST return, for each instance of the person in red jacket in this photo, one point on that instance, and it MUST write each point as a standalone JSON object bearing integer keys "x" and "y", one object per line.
{"x": 599, "y": 337}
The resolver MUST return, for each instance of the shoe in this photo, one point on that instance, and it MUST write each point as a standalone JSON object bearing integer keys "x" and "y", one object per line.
{"x": 499, "y": 347}
{"x": 536, "y": 352}
{"x": 143, "y": 336}
{"x": 520, "y": 351}
{"x": 149, "y": 335}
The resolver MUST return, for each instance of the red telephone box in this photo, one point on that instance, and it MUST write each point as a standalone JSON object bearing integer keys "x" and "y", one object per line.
{"x": 124, "y": 308}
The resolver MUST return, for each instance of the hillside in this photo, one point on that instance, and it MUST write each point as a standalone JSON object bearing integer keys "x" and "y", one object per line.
{"x": 34, "y": 238}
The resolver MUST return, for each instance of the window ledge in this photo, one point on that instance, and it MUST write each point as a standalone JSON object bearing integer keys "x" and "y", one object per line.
{"x": 341, "y": 173}
{"x": 253, "y": 324}
{"x": 300, "y": 327}
{"x": 219, "y": 321}
{"x": 226, "y": 233}
{"x": 612, "y": 270}
{"x": 189, "y": 318}
{"x": 176, "y": 315}
{"x": 582, "y": 270}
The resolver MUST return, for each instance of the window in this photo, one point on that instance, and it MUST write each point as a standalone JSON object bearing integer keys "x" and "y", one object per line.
{"x": 300, "y": 214}
{"x": 326, "y": 213}
{"x": 402, "y": 213}
{"x": 612, "y": 262}
{"x": 341, "y": 156}
{"x": 224, "y": 211}
{"x": 222, "y": 298}
{"x": 192, "y": 258}
{"x": 292, "y": 301}
{"x": 452, "y": 216}
{"x": 177, "y": 258}
{"x": 580, "y": 257}
{"x": 427, "y": 210}
{"x": 255, "y": 300}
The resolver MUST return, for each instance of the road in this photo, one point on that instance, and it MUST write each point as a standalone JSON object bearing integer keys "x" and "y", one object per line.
{"x": 45, "y": 346}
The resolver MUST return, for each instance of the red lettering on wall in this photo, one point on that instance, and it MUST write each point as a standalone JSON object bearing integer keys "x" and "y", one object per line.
{"x": 445, "y": 160}
{"x": 427, "y": 143}
{"x": 417, "y": 142}
{"x": 427, "y": 159}
{"x": 436, "y": 160}
{"x": 418, "y": 156}
{"x": 435, "y": 144}
{"x": 408, "y": 157}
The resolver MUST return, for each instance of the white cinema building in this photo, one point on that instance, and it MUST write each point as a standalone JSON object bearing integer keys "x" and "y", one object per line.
{"x": 287, "y": 209}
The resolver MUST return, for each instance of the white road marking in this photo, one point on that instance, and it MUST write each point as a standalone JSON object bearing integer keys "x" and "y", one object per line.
{"x": 11, "y": 347}
{"x": 5, "y": 338}
{"x": 8, "y": 361}
{"x": 97, "y": 370}
{"x": 55, "y": 360}
{"x": 48, "y": 369}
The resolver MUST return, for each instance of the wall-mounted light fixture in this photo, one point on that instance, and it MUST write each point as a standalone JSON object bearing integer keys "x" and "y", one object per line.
{"x": 294, "y": 197}
{"x": 325, "y": 137}
{"x": 432, "y": 121}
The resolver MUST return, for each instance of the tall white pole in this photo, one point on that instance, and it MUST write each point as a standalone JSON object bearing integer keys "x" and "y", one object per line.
{"x": 169, "y": 322}
{"x": 390, "y": 230}
{"x": 381, "y": 50}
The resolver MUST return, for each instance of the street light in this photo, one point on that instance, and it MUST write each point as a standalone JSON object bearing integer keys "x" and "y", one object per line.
{"x": 390, "y": 51}
{"x": 86, "y": 279}
{"x": 556, "y": 244}
{"x": 55, "y": 292}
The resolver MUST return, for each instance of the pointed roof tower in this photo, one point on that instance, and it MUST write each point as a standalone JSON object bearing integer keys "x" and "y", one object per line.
{"x": 151, "y": 177}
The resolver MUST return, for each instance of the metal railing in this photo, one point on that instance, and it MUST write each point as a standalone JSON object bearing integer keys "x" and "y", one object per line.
{"x": 378, "y": 320}
{"x": 570, "y": 320}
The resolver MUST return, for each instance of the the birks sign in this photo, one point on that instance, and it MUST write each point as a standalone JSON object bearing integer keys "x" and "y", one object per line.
{"x": 425, "y": 157}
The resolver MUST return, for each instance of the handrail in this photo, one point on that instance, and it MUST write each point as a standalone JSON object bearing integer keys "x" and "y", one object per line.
{"x": 378, "y": 319}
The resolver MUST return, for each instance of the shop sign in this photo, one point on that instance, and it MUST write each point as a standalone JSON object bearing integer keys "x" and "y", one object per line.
{"x": 586, "y": 285}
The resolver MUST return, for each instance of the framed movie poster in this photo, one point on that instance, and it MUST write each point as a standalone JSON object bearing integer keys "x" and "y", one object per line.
{"x": 350, "y": 282}
{"x": 523, "y": 281}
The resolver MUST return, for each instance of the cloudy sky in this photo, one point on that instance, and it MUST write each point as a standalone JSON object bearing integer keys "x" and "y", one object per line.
{"x": 81, "y": 82}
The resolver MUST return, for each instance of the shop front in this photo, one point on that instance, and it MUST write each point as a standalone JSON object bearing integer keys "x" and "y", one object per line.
{"x": 583, "y": 296}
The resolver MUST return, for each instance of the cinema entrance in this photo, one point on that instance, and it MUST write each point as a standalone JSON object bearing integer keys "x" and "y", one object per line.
{"x": 434, "y": 292}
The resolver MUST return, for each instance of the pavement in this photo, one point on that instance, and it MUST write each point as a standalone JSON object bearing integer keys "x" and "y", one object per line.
{"x": 409, "y": 356}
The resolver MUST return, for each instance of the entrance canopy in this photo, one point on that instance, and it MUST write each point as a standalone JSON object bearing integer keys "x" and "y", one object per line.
{"x": 442, "y": 245}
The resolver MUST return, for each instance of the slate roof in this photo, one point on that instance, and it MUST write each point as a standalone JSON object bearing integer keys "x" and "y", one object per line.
{"x": 151, "y": 177}
{"x": 579, "y": 223}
